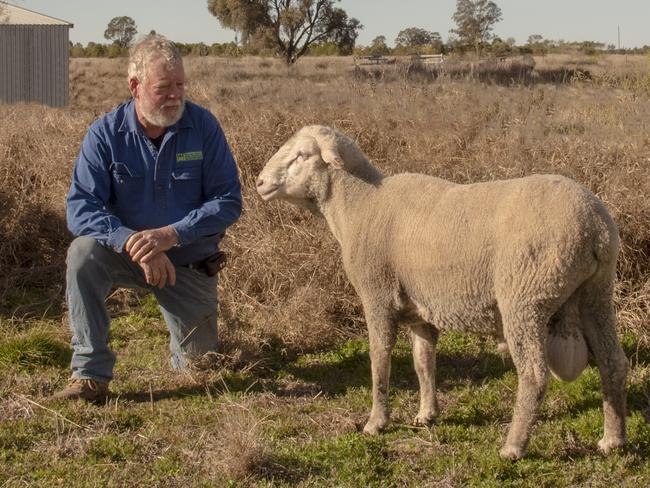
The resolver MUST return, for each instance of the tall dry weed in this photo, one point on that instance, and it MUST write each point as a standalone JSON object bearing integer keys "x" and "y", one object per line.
{"x": 238, "y": 452}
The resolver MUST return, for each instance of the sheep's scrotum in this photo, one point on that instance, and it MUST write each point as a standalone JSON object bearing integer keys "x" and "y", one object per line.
{"x": 567, "y": 356}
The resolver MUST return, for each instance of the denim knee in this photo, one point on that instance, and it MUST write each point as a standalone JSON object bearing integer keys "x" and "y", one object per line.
{"x": 82, "y": 255}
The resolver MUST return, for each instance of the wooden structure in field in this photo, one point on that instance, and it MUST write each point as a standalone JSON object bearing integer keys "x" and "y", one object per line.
{"x": 373, "y": 59}
{"x": 428, "y": 58}
{"x": 34, "y": 57}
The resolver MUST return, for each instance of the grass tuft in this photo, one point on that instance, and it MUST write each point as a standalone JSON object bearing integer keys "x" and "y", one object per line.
{"x": 32, "y": 350}
{"x": 238, "y": 449}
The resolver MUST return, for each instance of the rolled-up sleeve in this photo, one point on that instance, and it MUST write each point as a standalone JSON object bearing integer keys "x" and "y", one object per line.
{"x": 89, "y": 193}
{"x": 222, "y": 200}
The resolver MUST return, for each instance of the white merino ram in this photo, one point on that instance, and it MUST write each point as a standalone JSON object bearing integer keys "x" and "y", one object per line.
{"x": 529, "y": 260}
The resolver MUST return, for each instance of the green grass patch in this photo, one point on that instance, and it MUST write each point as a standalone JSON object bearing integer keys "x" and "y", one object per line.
{"x": 302, "y": 419}
{"x": 33, "y": 349}
{"x": 111, "y": 448}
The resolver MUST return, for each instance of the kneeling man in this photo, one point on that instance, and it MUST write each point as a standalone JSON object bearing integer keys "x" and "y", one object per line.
{"x": 153, "y": 190}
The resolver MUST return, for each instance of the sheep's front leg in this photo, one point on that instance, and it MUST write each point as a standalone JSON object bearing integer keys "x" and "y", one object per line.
{"x": 382, "y": 336}
{"x": 425, "y": 338}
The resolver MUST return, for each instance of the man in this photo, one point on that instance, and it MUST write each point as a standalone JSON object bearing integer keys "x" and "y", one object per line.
{"x": 153, "y": 190}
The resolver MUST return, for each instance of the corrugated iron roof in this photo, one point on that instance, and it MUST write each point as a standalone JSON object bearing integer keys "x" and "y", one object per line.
{"x": 13, "y": 15}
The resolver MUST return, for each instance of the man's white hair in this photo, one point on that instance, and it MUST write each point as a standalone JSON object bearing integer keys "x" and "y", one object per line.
{"x": 147, "y": 51}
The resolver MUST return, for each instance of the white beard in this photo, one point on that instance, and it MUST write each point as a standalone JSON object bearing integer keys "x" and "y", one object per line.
{"x": 157, "y": 117}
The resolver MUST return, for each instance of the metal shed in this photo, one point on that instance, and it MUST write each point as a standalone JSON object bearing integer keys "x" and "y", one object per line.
{"x": 34, "y": 56}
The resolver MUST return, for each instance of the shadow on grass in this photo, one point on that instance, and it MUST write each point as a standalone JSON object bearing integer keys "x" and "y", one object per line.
{"x": 353, "y": 370}
{"x": 213, "y": 387}
{"x": 285, "y": 469}
{"x": 352, "y": 459}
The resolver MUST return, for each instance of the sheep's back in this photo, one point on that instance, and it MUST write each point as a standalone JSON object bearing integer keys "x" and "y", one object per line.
{"x": 447, "y": 246}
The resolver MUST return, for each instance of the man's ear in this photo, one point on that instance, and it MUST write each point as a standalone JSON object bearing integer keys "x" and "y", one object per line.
{"x": 134, "y": 85}
{"x": 331, "y": 156}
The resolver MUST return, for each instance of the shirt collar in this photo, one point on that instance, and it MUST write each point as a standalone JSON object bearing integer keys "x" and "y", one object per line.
{"x": 130, "y": 121}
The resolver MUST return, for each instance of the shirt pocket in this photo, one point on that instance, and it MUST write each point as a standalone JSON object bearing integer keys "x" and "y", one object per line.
{"x": 128, "y": 183}
{"x": 186, "y": 183}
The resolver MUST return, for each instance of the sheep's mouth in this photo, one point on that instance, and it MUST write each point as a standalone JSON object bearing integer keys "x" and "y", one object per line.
{"x": 268, "y": 193}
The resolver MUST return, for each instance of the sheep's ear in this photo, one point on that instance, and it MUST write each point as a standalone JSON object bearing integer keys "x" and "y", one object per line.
{"x": 332, "y": 156}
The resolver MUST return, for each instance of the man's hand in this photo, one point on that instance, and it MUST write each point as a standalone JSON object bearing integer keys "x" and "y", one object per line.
{"x": 159, "y": 271}
{"x": 144, "y": 245}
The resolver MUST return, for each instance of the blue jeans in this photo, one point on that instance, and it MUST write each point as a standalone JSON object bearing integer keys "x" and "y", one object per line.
{"x": 189, "y": 308}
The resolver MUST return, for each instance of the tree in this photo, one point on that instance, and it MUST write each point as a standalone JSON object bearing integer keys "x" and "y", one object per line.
{"x": 77, "y": 51}
{"x": 415, "y": 39}
{"x": 289, "y": 26}
{"x": 500, "y": 48}
{"x": 537, "y": 44}
{"x": 121, "y": 30}
{"x": 200, "y": 49}
{"x": 94, "y": 50}
{"x": 474, "y": 22}
{"x": 591, "y": 47}
{"x": 378, "y": 46}
{"x": 346, "y": 36}
{"x": 114, "y": 51}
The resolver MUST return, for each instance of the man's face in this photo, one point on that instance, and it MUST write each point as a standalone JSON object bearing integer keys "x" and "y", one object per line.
{"x": 161, "y": 97}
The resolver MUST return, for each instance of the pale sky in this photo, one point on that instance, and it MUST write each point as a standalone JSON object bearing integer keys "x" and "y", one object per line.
{"x": 190, "y": 21}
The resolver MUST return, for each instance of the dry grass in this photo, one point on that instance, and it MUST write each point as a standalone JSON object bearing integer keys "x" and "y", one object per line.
{"x": 238, "y": 450}
{"x": 285, "y": 281}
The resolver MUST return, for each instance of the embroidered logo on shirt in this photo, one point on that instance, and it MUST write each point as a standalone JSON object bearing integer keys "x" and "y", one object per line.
{"x": 189, "y": 156}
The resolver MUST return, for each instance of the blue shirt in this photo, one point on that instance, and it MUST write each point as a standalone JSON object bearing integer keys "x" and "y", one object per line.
{"x": 121, "y": 184}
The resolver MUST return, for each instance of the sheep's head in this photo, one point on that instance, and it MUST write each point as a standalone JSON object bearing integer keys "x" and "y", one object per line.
{"x": 299, "y": 171}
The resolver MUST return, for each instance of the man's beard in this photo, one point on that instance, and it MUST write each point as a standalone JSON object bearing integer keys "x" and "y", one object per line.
{"x": 156, "y": 116}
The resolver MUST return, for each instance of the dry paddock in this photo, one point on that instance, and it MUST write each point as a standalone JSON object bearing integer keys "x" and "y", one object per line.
{"x": 285, "y": 278}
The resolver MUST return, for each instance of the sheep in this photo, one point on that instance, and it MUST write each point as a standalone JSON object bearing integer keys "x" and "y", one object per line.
{"x": 530, "y": 261}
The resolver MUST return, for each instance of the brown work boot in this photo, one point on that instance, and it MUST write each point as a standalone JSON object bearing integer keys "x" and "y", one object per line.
{"x": 89, "y": 390}
{"x": 206, "y": 362}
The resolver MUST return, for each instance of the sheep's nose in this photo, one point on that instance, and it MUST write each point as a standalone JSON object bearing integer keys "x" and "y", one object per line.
{"x": 260, "y": 182}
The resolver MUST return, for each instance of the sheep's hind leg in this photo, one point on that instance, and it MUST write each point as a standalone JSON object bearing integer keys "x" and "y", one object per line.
{"x": 597, "y": 313}
{"x": 425, "y": 338}
{"x": 525, "y": 337}
{"x": 382, "y": 336}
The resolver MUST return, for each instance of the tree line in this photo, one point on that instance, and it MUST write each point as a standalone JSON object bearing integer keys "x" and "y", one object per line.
{"x": 112, "y": 50}
{"x": 378, "y": 47}
{"x": 294, "y": 28}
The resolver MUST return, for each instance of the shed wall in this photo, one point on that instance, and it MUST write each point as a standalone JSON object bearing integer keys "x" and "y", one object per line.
{"x": 34, "y": 64}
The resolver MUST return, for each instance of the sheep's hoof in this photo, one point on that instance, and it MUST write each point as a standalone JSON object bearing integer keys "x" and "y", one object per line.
{"x": 425, "y": 419}
{"x": 502, "y": 349}
{"x": 374, "y": 427}
{"x": 606, "y": 446}
{"x": 511, "y": 452}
